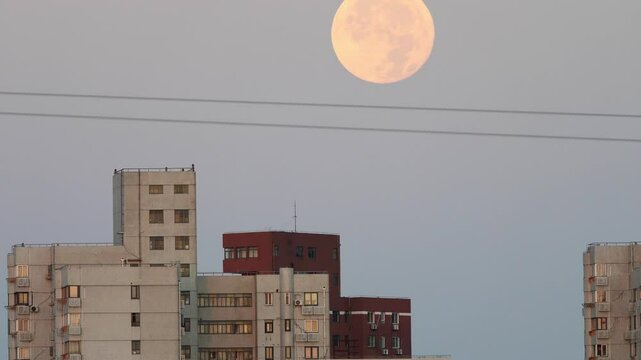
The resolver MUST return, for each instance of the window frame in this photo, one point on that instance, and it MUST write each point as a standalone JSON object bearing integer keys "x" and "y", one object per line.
{"x": 300, "y": 251}
{"x": 311, "y": 252}
{"x": 21, "y": 298}
{"x": 311, "y": 326}
{"x": 311, "y": 352}
{"x": 371, "y": 341}
{"x": 181, "y": 216}
{"x": 181, "y": 242}
{"x": 156, "y": 243}
{"x": 185, "y": 270}
{"x": 288, "y": 325}
{"x": 269, "y": 326}
{"x": 156, "y": 189}
{"x": 310, "y": 299}
{"x": 269, "y": 353}
{"x": 156, "y": 216}
{"x": 181, "y": 188}
{"x": 22, "y": 271}
{"x": 135, "y": 291}
{"x": 135, "y": 347}
{"x": 269, "y": 299}
{"x": 135, "y": 319}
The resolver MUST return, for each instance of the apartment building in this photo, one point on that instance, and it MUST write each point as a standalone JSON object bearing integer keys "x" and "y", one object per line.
{"x": 360, "y": 327}
{"x": 612, "y": 300}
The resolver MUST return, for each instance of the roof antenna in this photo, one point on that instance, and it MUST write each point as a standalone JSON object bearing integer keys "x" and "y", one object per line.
{"x": 295, "y": 217}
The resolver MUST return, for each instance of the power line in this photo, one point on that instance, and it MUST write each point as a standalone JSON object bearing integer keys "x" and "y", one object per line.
{"x": 322, "y": 105}
{"x": 324, "y": 127}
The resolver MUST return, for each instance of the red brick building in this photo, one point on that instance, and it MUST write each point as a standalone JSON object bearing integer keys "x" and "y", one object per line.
{"x": 361, "y": 327}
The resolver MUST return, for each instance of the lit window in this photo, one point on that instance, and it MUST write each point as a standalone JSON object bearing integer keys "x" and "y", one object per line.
{"x": 182, "y": 242}
{"x": 600, "y": 296}
{"x": 229, "y": 253}
{"x": 288, "y": 325}
{"x": 73, "y": 319}
{"x": 156, "y": 216}
{"x": 225, "y": 327}
{"x": 600, "y": 269}
{"x": 156, "y": 243}
{"x": 311, "y": 299}
{"x": 252, "y": 252}
{"x": 72, "y": 347}
{"x": 71, "y": 291}
{"x": 181, "y": 189}
{"x": 288, "y": 352}
{"x": 371, "y": 341}
{"x": 299, "y": 251}
{"x": 311, "y": 252}
{"x": 22, "y": 352}
{"x": 181, "y": 216}
{"x": 311, "y": 352}
{"x": 269, "y": 353}
{"x": 311, "y": 326}
{"x": 396, "y": 342}
{"x": 155, "y": 189}
{"x": 135, "y": 347}
{"x": 135, "y": 319}
{"x": 241, "y": 253}
{"x": 22, "y": 324}
{"x": 135, "y": 291}
{"x": 22, "y": 271}
{"x": 269, "y": 326}
{"x": 268, "y": 299}
{"x": 184, "y": 297}
{"x": 21, "y": 298}
{"x": 184, "y": 270}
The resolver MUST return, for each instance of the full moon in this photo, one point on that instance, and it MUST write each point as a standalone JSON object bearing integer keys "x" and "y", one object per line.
{"x": 383, "y": 41}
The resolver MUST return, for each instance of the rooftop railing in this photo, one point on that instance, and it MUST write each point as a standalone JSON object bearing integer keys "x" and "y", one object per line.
{"x": 167, "y": 169}
{"x": 62, "y": 244}
{"x": 615, "y": 243}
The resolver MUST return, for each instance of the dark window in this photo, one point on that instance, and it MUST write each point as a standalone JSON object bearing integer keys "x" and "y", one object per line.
{"x": 371, "y": 341}
{"x": 181, "y": 189}
{"x": 181, "y": 216}
{"x": 225, "y": 327}
{"x": 187, "y": 324}
{"x": 336, "y": 315}
{"x": 155, "y": 189}
{"x": 156, "y": 216}
{"x": 336, "y": 278}
{"x": 135, "y": 319}
{"x": 135, "y": 291}
{"x": 184, "y": 270}
{"x": 182, "y": 242}
{"x": 346, "y": 316}
{"x": 335, "y": 254}
{"x": 311, "y": 252}
{"x": 276, "y": 250}
{"x": 135, "y": 347}
{"x": 336, "y": 339}
{"x": 288, "y": 325}
{"x": 299, "y": 251}
{"x": 21, "y": 298}
{"x": 156, "y": 243}
{"x": 184, "y": 297}
{"x": 185, "y": 351}
{"x": 269, "y": 326}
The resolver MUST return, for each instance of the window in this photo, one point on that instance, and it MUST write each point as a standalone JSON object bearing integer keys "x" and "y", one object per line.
{"x": 22, "y": 271}
{"x": 288, "y": 352}
{"x": 311, "y": 252}
{"x": 187, "y": 324}
{"x": 22, "y": 352}
{"x": 225, "y": 353}
{"x": 135, "y": 319}
{"x": 633, "y": 350}
{"x": 185, "y": 352}
{"x": 252, "y": 252}
{"x": 370, "y": 317}
{"x": 601, "y": 350}
{"x": 371, "y": 341}
{"x": 181, "y": 189}
{"x": 396, "y": 342}
{"x": 73, "y": 319}
{"x": 311, "y": 352}
{"x": 288, "y": 325}
{"x": 600, "y": 296}
{"x": 336, "y": 315}
{"x": 633, "y": 322}
{"x": 72, "y": 347}
{"x": 22, "y": 325}
{"x": 156, "y": 243}
{"x": 135, "y": 291}
{"x": 268, "y": 298}
{"x": 225, "y": 327}
{"x": 156, "y": 216}
{"x": 395, "y": 318}
{"x": 336, "y": 278}
{"x": 241, "y": 253}
{"x": 155, "y": 189}
{"x": 229, "y": 253}
{"x": 383, "y": 318}
{"x": 269, "y": 353}
{"x": 600, "y": 269}
{"x": 224, "y": 300}
{"x": 185, "y": 298}
{"x": 382, "y": 342}
{"x": 311, "y": 299}
{"x": 135, "y": 347}
{"x": 181, "y": 216}
{"x": 346, "y": 315}
{"x": 71, "y": 291}
{"x": 288, "y": 298}
{"x": 601, "y": 323}
{"x": 269, "y": 326}
{"x": 21, "y": 298}
{"x": 182, "y": 242}
{"x": 276, "y": 250}
{"x": 299, "y": 251}
{"x": 336, "y": 339}
{"x": 184, "y": 270}
{"x": 311, "y": 326}
{"x": 335, "y": 254}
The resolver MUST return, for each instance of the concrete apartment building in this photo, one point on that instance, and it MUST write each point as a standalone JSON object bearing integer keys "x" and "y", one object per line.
{"x": 140, "y": 297}
{"x": 361, "y": 327}
{"x": 612, "y": 300}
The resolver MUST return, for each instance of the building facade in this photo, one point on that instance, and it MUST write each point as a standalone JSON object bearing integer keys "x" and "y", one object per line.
{"x": 612, "y": 300}
{"x": 361, "y": 327}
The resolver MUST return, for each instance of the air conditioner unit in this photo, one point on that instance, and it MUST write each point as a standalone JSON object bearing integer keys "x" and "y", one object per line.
{"x": 373, "y": 326}
{"x": 602, "y": 334}
{"x": 24, "y": 336}
{"x": 298, "y": 302}
{"x": 601, "y": 281}
{"x": 22, "y": 282}
{"x": 34, "y": 309}
{"x": 385, "y": 352}
{"x": 23, "y": 310}
{"x": 74, "y": 302}
{"x": 394, "y": 326}
{"x": 399, "y": 351}
{"x": 298, "y": 299}
{"x": 75, "y": 357}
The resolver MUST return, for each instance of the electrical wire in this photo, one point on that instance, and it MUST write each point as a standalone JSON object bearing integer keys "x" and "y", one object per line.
{"x": 324, "y": 127}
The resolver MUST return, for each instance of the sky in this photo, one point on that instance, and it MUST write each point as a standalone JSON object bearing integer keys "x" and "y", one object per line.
{"x": 484, "y": 234}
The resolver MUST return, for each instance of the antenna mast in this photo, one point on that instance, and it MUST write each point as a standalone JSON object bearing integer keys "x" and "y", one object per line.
{"x": 295, "y": 217}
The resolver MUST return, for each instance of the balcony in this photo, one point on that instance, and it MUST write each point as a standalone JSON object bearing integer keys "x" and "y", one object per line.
{"x": 25, "y": 336}
{"x": 313, "y": 310}
{"x": 73, "y": 302}
{"x": 313, "y": 337}
{"x": 22, "y": 282}
{"x": 302, "y": 337}
{"x": 23, "y": 310}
